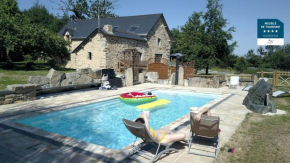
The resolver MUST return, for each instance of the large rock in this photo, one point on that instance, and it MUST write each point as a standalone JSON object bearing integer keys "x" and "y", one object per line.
{"x": 204, "y": 82}
{"x": 65, "y": 82}
{"x": 23, "y": 88}
{"x": 172, "y": 79}
{"x": 180, "y": 75}
{"x": 72, "y": 76}
{"x": 141, "y": 77}
{"x": 83, "y": 79}
{"x": 96, "y": 74}
{"x": 197, "y": 82}
{"x": 152, "y": 77}
{"x": 163, "y": 81}
{"x": 185, "y": 82}
{"x": 55, "y": 77}
{"x": 257, "y": 99}
{"x": 39, "y": 80}
{"x": 84, "y": 71}
{"x": 129, "y": 77}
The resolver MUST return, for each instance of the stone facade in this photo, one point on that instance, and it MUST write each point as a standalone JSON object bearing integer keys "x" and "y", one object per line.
{"x": 105, "y": 51}
{"x": 92, "y": 55}
{"x": 158, "y": 32}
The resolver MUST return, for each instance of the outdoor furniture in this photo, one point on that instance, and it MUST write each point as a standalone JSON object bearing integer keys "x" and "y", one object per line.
{"x": 140, "y": 131}
{"x": 207, "y": 130}
{"x": 113, "y": 80}
{"x": 278, "y": 93}
{"x": 234, "y": 81}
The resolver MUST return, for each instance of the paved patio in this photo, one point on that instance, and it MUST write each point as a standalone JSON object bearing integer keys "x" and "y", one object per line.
{"x": 22, "y": 144}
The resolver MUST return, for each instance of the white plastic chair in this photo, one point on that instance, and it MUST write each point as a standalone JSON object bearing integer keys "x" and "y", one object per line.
{"x": 234, "y": 81}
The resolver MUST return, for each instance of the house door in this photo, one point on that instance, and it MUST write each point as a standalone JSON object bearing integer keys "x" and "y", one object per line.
{"x": 132, "y": 56}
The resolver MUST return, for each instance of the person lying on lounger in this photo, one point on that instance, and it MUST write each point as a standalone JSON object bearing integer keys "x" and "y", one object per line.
{"x": 162, "y": 136}
{"x": 203, "y": 111}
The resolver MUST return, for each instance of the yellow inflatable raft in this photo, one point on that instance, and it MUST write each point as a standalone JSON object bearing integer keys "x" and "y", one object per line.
{"x": 153, "y": 104}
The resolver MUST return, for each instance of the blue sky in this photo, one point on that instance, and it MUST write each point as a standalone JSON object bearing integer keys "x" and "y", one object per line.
{"x": 242, "y": 14}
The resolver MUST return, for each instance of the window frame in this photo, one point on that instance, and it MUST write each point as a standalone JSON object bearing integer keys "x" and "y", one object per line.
{"x": 90, "y": 55}
{"x": 158, "y": 42}
{"x": 137, "y": 26}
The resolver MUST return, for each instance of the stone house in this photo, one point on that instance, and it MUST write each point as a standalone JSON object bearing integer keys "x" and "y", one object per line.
{"x": 102, "y": 46}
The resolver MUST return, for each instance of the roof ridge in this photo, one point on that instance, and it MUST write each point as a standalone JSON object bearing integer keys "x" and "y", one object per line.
{"x": 140, "y": 15}
{"x": 118, "y": 17}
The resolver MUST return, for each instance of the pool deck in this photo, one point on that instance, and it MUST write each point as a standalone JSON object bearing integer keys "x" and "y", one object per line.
{"x": 19, "y": 143}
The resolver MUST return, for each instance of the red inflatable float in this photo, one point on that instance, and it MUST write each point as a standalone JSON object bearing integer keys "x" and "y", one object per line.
{"x": 137, "y": 97}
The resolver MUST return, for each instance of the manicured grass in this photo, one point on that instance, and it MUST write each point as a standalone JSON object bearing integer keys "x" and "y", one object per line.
{"x": 20, "y": 74}
{"x": 260, "y": 138}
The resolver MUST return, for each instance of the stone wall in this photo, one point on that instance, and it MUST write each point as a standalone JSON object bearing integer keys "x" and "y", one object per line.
{"x": 116, "y": 47}
{"x": 53, "y": 82}
{"x": 97, "y": 47}
{"x": 18, "y": 93}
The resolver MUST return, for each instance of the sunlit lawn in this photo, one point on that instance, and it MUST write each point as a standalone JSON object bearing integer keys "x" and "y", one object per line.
{"x": 19, "y": 74}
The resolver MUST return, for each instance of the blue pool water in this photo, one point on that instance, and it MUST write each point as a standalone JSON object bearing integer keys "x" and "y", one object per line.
{"x": 101, "y": 123}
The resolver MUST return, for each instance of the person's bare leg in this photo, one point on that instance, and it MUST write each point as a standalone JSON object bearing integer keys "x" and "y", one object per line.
{"x": 165, "y": 131}
{"x": 173, "y": 137}
{"x": 208, "y": 113}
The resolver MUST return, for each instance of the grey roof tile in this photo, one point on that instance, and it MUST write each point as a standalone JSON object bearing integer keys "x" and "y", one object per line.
{"x": 83, "y": 28}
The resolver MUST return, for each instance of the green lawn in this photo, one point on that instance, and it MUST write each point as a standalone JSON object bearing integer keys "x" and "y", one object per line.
{"x": 260, "y": 138}
{"x": 20, "y": 74}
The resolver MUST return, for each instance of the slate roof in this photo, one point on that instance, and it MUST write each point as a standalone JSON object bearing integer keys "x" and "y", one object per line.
{"x": 116, "y": 34}
{"x": 83, "y": 28}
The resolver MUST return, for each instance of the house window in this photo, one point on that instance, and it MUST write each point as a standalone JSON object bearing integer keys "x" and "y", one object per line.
{"x": 158, "y": 41}
{"x": 115, "y": 29}
{"x": 133, "y": 28}
{"x": 90, "y": 55}
{"x": 158, "y": 58}
{"x": 140, "y": 56}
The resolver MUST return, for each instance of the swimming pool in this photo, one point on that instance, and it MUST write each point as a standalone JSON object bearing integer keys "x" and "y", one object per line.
{"x": 101, "y": 123}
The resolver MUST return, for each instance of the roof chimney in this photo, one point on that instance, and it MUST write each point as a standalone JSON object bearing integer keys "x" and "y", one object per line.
{"x": 108, "y": 28}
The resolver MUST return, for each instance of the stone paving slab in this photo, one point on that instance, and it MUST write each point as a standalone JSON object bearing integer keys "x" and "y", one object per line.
{"x": 231, "y": 111}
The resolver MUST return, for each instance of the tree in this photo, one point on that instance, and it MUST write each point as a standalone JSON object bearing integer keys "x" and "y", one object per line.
{"x": 176, "y": 43}
{"x": 216, "y": 39}
{"x": 39, "y": 14}
{"x": 253, "y": 59}
{"x": 280, "y": 58}
{"x": 192, "y": 37}
{"x": 241, "y": 64}
{"x": 8, "y": 29}
{"x": 82, "y": 9}
{"x": 102, "y": 7}
{"x": 19, "y": 37}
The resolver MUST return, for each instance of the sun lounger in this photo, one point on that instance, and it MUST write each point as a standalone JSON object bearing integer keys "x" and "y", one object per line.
{"x": 207, "y": 129}
{"x": 278, "y": 93}
{"x": 234, "y": 81}
{"x": 140, "y": 131}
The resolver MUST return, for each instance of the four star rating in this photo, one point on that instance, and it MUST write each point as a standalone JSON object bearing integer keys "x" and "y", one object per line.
{"x": 270, "y": 31}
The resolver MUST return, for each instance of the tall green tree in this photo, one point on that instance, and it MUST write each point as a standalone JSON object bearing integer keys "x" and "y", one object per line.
{"x": 176, "y": 43}
{"x": 241, "y": 64}
{"x": 18, "y": 37}
{"x": 192, "y": 37}
{"x": 102, "y": 7}
{"x": 39, "y": 15}
{"x": 86, "y": 9}
{"x": 217, "y": 40}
